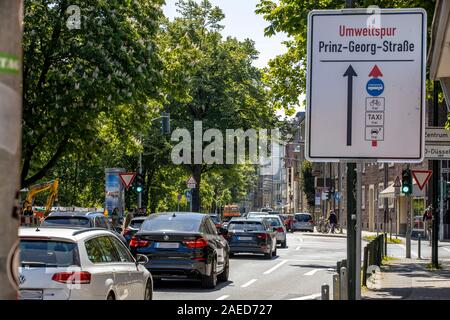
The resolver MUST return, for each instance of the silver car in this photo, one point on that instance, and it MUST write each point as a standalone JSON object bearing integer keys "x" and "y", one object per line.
{"x": 303, "y": 221}
{"x": 278, "y": 225}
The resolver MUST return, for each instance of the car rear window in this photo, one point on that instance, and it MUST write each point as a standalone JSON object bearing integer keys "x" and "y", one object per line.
{"x": 50, "y": 254}
{"x": 246, "y": 226}
{"x": 67, "y": 221}
{"x": 303, "y": 217}
{"x": 215, "y": 219}
{"x": 169, "y": 223}
{"x": 136, "y": 224}
{"x": 274, "y": 222}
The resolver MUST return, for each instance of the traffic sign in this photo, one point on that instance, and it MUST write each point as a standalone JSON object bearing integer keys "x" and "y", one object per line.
{"x": 191, "y": 183}
{"x": 366, "y": 85}
{"x": 421, "y": 177}
{"x": 127, "y": 178}
{"x": 397, "y": 182}
{"x": 437, "y": 152}
{"x": 437, "y": 134}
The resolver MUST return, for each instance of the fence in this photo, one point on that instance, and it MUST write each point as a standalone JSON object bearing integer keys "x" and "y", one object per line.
{"x": 374, "y": 253}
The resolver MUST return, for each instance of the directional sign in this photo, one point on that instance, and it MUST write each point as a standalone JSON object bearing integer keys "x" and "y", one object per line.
{"x": 437, "y": 152}
{"x": 127, "y": 178}
{"x": 191, "y": 183}
{"x": 366, "y": 85}
{"x": 437, "y": 134}
{"x": 421, "y": 177}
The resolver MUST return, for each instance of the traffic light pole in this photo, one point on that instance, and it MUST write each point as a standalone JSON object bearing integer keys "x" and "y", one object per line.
{"x": 139, "y": 196}
{"x": 408, "y": 224}
{"x": 435, "y": 179}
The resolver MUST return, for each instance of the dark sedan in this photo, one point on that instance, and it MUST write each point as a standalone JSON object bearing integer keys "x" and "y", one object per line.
{"x": 81, "y": 219}
{"x": 183, "y": 246}
{"x": 251, "y": 235}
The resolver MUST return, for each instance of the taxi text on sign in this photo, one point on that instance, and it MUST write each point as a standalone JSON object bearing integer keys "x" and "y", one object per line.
{"x": 366, "y": 85}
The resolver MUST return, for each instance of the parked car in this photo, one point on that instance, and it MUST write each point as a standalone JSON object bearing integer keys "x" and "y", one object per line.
{"x": 277, "y": 224}
{"x": 81, "y": 220}
{"x": 251, "y": 235}
{"x": 133, "y": 227}
{"x": 303, "y": 222}
{"x": 72, "y": 264}
{"x": 183, "y": 245}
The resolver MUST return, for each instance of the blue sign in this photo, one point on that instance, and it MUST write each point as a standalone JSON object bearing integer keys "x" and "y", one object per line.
{"x": 188, "y": 196}
{"x": 375, "y": 87}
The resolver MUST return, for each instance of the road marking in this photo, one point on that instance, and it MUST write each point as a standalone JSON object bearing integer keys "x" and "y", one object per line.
{"x": 446, "y": 249}
{"x": 300, "y": 238}
{"x": 223, "y": 297}
{"x": 276, "y": 267}
{"x": 312, "y": 272}
{"x": 310, "y": 297}
{"x": 245, "y": 285}
{"x": 298, "y": 248}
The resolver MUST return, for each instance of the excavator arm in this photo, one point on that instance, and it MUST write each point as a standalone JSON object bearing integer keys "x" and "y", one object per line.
{"x": 52, "y": 186}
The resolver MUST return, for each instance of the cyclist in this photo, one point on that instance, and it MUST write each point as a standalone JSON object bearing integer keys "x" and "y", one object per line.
{"x": 332, "y": 219}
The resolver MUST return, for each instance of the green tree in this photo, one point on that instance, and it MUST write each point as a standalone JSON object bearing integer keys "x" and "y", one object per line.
{"x": 210, "y": 79}
{"x": 74, "y": 79}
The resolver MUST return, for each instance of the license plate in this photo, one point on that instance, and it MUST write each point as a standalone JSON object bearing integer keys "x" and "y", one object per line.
{"x": 30, "y": 295}
{"x": 245, "y": 238}
{"x": 167, "y": 245}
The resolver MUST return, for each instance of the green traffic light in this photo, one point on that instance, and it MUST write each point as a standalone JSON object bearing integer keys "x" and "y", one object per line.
{"x": 405, "y": 189}
{"x": 139, "y": 189}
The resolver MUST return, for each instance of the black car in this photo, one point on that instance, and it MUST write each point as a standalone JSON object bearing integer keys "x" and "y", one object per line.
{"x": 183, "y": 246}
{"x": 82, "y": 220}
{"x": 251, "y": 235}
{"x": 216, "y": 220}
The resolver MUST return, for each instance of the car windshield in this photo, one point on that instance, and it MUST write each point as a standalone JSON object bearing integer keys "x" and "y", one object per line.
{"x": 178, "y": 223}
{"x": 50, "y": 254}
{"x": 303, "y": 217}
{"x": 136, "y": 224}
{"x": 67, "y": 221}
{"x": 245, "y": 226}
{"x": 215, "y": 219}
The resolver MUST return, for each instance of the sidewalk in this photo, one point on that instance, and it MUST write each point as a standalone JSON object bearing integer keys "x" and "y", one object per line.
{"x": 409, "y": 279}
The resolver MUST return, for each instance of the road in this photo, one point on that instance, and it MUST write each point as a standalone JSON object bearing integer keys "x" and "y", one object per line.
{"x": 296, "y": 273}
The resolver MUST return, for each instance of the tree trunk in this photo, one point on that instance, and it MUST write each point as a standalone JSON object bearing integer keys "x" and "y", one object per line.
{"x": 197, "y": 174}
{"x": 11, "y": 16}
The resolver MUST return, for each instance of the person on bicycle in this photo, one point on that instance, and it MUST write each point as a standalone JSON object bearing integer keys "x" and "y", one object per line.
{"x": 332, "y": 219}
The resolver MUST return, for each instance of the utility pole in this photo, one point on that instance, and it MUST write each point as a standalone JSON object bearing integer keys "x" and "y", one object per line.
{"x": 435, "y": 184}
{"x": 11, "y": 17}
{"x": 340, "y": 196}
{"x": 351, "y": 208}
{"x": 408, "y": 223}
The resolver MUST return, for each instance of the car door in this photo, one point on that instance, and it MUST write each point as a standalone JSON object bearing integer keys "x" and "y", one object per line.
{"x": 137, "y": 281}
{"x": 121, "y": 271}
{"x": 218, "y": 243}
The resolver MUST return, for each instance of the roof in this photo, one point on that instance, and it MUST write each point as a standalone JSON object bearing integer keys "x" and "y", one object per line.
{"x": 252, "y": 219}
{"x": 72, "y": 234}
{"x": 192, "y": 215}
{"x": 75, "y": 214}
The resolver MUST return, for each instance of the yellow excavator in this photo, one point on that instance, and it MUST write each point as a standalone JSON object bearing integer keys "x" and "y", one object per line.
{"x": 51, "y": 186}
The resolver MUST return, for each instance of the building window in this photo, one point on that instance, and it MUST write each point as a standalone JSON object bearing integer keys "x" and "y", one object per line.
{"x": 363, "y": 197}
{"x": 379, "y": 199}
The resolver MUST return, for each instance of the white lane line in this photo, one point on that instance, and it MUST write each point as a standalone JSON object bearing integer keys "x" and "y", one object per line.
{"x": 446, "y": 249}
{"x": 298, "y": 248}
{"x": 276, "y": 267}
{"x": 223, "y": 297}
{"x": 310, "y": 297}
{"x": 245, "y": 285}
{"x": 301, "y": 239}
{"x": 312, "y": 272}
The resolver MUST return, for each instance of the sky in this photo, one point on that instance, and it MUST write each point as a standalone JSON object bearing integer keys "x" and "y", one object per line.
{"x": 242, "y": 22}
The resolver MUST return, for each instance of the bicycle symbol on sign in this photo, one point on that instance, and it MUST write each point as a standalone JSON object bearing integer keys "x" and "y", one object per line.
{"x": 375, "y": 102}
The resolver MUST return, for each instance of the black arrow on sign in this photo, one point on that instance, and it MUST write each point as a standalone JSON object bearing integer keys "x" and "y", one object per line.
{"x": 350, "y": 73}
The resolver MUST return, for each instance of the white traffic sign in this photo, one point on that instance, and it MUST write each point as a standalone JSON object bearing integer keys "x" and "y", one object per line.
{"x": 191, "y": 183}
{"x": 397, "y": 183}
{"x": 127, "y": 178}
{"x": 437, "y": 152}
{"x": 366, "y": 85}
{"x": 421, "y": 177}
{"x": 437, "y": 134}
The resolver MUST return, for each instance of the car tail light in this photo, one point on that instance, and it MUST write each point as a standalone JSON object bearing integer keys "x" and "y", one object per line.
{"x": 198, "y": 243}
{"x": 82, "y": 277}
{"x": 262, "y": 236}
{"x": 137, "y": 243}
{"x": 311, "y": 221}
{"x": 280, "y": 229}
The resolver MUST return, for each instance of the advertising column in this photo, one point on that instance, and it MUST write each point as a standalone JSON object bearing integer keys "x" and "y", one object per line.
{"x": 114, "y": 190}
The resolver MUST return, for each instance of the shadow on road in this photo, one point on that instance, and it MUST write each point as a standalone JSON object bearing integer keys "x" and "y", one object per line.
{"x": 187, "y": 286}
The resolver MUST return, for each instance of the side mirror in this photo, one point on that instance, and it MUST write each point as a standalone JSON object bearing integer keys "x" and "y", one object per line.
{"x": 141, "y": 259}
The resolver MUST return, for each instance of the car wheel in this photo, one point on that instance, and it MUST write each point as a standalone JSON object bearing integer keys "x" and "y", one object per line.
{"x": 284, "y": 244}
{"x": 223, "y": 277}
{"x": 210, "y": 282}
{"x": 148, "y": 291}
{"x": 111, "y": 296}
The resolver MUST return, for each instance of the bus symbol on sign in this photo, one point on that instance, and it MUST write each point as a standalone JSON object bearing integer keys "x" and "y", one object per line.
{"x": 375, "y": 87}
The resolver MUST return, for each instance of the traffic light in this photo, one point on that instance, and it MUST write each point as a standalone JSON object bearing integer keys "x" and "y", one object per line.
{"x": 139, "y": 183}
{"x": 407, "y": 183}
{"x": 165, "y": 123}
